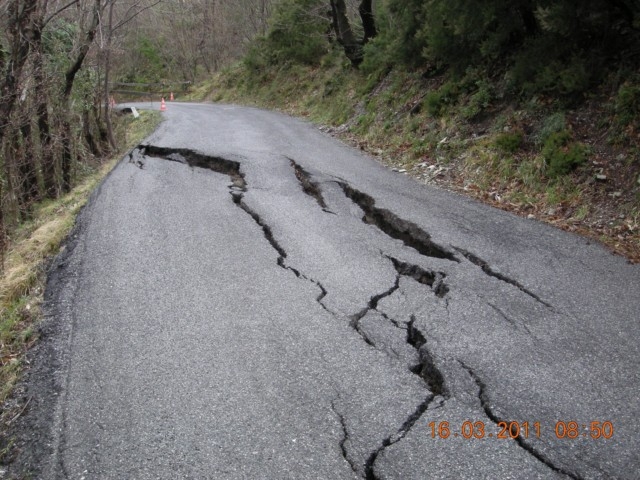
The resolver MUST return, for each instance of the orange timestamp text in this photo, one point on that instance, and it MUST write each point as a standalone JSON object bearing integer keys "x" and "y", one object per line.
{"x": 512, "y": 430}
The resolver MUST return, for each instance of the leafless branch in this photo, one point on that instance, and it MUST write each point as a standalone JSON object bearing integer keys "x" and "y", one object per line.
{"x": 58, "y": 12}
{"x": 127, "y": 20}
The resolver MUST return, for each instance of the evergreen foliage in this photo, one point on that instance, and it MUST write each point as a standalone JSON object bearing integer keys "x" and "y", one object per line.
{"x": 562, "y": 154}
{"x": 557, "y": 47}
{"x": 298, "y": 33}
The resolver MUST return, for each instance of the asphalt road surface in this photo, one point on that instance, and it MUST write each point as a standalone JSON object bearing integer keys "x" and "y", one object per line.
{"x": 245, "y": 297}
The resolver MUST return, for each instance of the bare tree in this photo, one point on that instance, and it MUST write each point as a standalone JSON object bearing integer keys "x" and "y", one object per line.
{"x": 21, "y": 19}
{"x": 85, "y": 39}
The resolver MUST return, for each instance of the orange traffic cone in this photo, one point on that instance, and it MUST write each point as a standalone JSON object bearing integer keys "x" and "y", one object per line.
{"x": 163, "y": 106}
{"x": 171, "y": 97}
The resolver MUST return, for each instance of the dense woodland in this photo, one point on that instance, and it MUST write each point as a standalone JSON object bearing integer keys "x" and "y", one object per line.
{"x": 61, "y": 62}
{"x": 562, "y": 47}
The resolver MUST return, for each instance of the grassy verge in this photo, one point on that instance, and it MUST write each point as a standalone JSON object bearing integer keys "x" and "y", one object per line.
{"x": 574, "y": 165}
{"x": 23, "y": 275}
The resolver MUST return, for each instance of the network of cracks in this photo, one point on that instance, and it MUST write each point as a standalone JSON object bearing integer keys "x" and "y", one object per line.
{"x": 428, "y": 366}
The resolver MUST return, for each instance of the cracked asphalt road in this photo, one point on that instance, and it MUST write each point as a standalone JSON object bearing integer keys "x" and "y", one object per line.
{"x": 246, "y": 297}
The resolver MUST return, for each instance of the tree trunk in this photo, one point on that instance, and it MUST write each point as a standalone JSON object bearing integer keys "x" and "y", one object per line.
{"x": 10, "y": 204}
{"x": 529, "y": 20}
{"x": 344, "y": 33}
{"x": 87, "y": 131}
{"x": 48, "y": 162}
{"x": 29, "y": 191}
{"x": 67, "y": 155}
{"x": 107, "y": 68}
{"x": 70, "y": 77}
{"x": 368, "y": 20}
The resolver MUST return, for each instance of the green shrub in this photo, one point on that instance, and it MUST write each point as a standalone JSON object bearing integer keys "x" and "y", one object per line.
{"x": 436, "y": 101}
{"x": 627, "y": 104}
{"x": 509, "y": 142}
{"x": 479, "y": 101}
{"x": 554, "y": 123}
{"x": 562, "y": 154}
{"x": 257, "y": 57}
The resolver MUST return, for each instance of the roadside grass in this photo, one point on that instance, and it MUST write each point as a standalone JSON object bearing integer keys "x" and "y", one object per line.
{"x": 32, "y": 246}
{"x": 535, "y": 157}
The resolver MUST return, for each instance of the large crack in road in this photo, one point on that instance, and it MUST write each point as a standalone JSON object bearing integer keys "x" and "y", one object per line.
{"x": 389, "y": 223}
{"x": 425, "y": 370}
{"x": 413, "y": 237}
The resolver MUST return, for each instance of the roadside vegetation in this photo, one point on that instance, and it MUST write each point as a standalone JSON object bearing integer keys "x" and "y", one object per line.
{"x": 33, "y": 245}
{"x": 533, "y": 107}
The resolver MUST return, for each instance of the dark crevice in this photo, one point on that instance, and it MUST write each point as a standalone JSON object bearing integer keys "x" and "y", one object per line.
{"x": 345, "y": 437}
{"x": 396, "y": 437}
{"x": 309, "y": 187}
{"x": 137, "y": 158}
{"x": 236, "y": 189}
{"x": 356, "y": 326}
{"x": 373, "y": 302}
{"x": 520, "y": 441}
{"x": 434, "y": 280}
{"x": 323, "y": 293}
{"x": 415, "y": 338}
{"x": 371, "y": 305}
{"x": 409, "y": 233}
{"x": 426, "y": 369}
{"x": 266, "y": 230}
{"x": 412, "y": 236}
{"x": 195, "y": 159}
{"x": 268, "y": 234}
{"x": 492, "y": 273}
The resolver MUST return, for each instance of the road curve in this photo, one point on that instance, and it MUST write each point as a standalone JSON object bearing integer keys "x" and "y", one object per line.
{"x": 246, "y": 297}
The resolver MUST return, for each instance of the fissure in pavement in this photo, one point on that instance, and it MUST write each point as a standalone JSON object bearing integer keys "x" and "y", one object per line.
{"x": 395, "y": 438}
{"x": 236, "y": 189}
{"x": 309, "y": 187}
{"x": 196, "y": 159}
{"x": 416, "y": 238}
{"x": 434, "y": 280}
{"x": 520, "y": 441}
{"x": 345, "y": 437}
{"x": 393, "y": 226}
{"x": 492, "y": 273}
{"x": 389, "y": 223}
{"x": 426, "y": 369}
